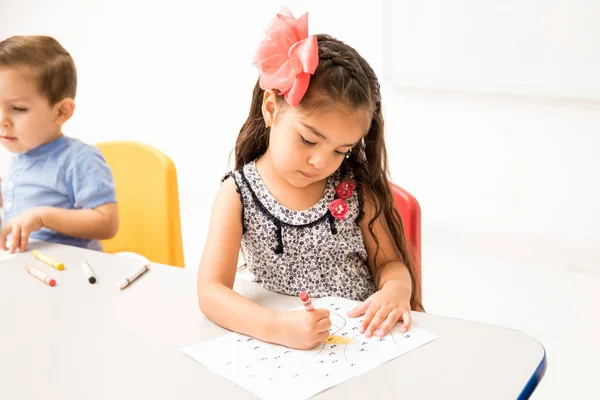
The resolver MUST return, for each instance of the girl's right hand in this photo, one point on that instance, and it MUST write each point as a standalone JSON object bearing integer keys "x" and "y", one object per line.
{"x": 303, "y": 329}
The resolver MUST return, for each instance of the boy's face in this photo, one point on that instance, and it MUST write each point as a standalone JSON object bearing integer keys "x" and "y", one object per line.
{"x": 27, "y": 120}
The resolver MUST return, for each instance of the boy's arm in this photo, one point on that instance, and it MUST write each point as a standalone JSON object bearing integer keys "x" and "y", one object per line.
{"x": 95, "y": 213}
{"x": 99, "y": 223}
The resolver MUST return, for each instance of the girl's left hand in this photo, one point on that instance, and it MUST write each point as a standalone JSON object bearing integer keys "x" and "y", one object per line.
{"x": 384, "y": 308}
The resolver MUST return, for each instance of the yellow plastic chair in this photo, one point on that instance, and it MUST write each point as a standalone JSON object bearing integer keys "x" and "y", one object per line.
{"x": 148, "y": 200}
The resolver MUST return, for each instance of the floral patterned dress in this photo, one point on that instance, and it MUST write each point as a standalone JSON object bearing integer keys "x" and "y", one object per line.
{"x": 319, "y": 250}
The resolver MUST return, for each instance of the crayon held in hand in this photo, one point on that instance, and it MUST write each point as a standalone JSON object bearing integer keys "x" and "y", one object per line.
{"x": 305, "y": 299}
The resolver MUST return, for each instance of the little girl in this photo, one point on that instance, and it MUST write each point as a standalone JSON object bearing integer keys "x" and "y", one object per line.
{"x": 309, "y": 201}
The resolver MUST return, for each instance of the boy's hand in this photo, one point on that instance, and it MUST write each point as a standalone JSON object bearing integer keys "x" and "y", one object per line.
{"x": 20, "y": 228}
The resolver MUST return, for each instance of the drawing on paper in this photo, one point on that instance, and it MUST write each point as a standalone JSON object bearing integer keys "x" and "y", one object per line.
{"x": 275, "y": 371}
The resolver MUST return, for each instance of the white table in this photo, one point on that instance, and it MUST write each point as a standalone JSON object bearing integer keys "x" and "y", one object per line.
{"x": 82, "y": 341}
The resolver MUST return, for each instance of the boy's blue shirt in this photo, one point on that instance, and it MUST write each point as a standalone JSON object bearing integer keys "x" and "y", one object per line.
{"x": 65, "y": 173}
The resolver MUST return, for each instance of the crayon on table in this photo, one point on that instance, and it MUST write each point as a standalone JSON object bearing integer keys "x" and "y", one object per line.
{"x": 125, "y": 282}
{"x": 40, "y": 275}
{"x": 87, "y": 271}
{"x": 50, "y": 261}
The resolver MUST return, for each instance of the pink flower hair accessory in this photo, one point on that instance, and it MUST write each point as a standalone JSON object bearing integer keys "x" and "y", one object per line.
{"x": 287, "y": 56}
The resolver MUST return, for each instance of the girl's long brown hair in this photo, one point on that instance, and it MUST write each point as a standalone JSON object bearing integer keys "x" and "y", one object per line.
{"x": 343, "y": 78}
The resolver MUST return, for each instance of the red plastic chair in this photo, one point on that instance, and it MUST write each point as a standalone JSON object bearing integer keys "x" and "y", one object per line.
{"x": 410, "y": 211}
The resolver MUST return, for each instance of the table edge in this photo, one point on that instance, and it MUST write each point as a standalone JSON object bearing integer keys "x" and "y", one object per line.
{"x": 535, "y": 378}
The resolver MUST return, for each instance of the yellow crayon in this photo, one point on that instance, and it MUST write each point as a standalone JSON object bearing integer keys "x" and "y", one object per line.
{"x": 45, "y": 259}
{"x": 339, "y": 340}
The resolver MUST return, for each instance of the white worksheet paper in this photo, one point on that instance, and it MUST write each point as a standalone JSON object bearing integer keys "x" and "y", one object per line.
{"x": 276, "y": 372}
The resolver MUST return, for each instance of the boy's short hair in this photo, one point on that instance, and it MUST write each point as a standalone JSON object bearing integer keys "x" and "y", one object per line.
{"x": 52, "y": 65}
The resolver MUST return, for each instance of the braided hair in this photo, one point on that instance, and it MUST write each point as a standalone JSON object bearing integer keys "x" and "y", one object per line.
{"x": 343, "y": 79}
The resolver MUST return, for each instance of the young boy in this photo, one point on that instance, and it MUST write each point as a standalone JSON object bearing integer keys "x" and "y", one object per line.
{"x": 57, "y": 189}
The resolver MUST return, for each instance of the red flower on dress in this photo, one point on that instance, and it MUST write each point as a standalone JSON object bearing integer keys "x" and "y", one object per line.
{"x": 338, "y": 208}
{"x": 344, "y": 189}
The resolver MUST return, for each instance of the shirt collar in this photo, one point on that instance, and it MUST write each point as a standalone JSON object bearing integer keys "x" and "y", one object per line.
{"x": 45, "y": 149}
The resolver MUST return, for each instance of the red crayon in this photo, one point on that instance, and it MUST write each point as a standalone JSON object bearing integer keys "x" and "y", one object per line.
{"x": 41, "y": 276}
{"x": 306, "y": 301}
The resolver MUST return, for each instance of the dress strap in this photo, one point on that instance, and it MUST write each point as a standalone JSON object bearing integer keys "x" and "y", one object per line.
{"x": 239, "y": 191}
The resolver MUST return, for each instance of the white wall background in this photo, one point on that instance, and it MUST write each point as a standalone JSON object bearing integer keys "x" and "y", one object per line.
{"x": 511, "y": 46}
{"x": 505, "y": 175}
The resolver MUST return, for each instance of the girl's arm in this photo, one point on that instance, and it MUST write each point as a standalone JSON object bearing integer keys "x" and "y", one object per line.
{"x": 216, "y": 275}
{"x": 392, "y": 300}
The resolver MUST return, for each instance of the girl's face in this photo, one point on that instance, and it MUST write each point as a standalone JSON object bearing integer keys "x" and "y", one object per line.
{"x": 307, "y": 148}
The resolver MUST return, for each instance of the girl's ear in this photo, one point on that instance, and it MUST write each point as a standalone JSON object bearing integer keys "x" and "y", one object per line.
{"x": 64, "y": 110}
{"x": 269, "y": 107}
